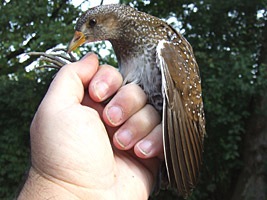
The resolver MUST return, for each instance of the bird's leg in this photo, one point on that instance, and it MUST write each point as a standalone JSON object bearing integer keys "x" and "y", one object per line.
{"x": 54, "y": 59}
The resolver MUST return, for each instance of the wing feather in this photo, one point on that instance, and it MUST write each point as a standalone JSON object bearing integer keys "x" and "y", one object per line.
{"x": 183, "y": 116}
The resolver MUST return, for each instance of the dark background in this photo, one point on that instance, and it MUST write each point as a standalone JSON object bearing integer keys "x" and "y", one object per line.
{"x": 230, "y": 44}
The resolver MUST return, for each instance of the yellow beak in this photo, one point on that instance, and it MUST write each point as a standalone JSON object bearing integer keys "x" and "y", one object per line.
{"x": 77, "y": 40}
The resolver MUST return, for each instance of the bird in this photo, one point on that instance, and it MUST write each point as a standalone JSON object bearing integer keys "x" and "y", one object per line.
{"x": 152, "y": 54}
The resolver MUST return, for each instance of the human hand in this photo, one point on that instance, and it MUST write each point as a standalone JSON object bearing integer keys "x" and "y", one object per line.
{"x": 73, "y": 156}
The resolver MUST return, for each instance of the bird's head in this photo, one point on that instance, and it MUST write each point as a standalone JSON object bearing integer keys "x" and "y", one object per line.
{"x": 97, "y": 24}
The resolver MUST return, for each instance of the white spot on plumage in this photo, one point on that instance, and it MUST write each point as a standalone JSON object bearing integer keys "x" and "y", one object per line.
{"x": 140, "y": 47}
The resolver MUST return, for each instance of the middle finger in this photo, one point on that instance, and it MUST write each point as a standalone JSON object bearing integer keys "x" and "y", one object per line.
{"x": 128, "y": 100}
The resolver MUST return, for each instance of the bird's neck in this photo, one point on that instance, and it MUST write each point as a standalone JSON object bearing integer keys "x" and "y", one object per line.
{"x": 126, "y": 52}
{"x": 125, "y": 48}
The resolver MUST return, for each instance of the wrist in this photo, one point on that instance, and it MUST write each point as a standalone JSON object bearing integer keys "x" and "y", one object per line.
{"x": 38, "y": 187}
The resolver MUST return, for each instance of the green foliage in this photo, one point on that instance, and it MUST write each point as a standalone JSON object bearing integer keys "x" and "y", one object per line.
{"x": 20, "y": 95}
{"x": 33, "y": 25}
{"x": 25, "y": 26}
{"x": 227, "y": 38}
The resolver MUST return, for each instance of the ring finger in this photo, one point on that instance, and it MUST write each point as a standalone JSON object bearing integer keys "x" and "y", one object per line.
{"x": 136, "y": 127}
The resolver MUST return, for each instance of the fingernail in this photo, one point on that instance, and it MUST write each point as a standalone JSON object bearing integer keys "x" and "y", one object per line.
{"x": 87, "y": 55}
{"x": 101, "y": 89}
{"x": 115, "y": 114}
{"x": 145, "y": 147}
{"x": 124, "y": 138}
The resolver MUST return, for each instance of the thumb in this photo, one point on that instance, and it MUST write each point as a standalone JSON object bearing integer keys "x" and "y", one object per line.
{"x": 70, "y": 82}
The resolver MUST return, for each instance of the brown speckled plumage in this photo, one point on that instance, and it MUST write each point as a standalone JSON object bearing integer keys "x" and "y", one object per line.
{"x": 155, "y": 56}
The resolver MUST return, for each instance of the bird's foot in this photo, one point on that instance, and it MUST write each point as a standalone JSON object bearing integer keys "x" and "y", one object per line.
{"x": 57, "y": 58}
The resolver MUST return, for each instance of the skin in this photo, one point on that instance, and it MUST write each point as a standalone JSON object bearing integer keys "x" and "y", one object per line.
{"x": 84, "y": 149}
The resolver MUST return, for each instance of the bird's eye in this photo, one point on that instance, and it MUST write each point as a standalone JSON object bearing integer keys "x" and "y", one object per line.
{"x": 92, "y": 22}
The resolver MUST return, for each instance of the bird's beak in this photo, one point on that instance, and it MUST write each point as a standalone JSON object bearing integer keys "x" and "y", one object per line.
{"x": 77, "y": 40}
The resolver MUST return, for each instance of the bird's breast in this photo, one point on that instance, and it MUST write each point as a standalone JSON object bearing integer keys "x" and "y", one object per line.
{"x": 143, "y": 70}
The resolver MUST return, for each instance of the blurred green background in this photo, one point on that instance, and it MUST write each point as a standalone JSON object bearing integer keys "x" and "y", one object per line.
{"x": 230, "y": 44}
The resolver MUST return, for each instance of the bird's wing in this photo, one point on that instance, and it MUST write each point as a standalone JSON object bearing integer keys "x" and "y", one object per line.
{"x": 183, "y": 115}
